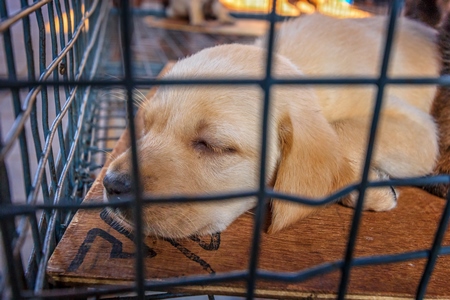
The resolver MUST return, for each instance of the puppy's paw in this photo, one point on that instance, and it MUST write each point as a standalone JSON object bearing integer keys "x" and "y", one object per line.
{"x": 227, "y": 19}
{"x": 376, "y": 199}
{"x": 198, "y": 22}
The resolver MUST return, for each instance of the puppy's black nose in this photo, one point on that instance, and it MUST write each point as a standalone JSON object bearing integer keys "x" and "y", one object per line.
{"x": 117, "y": 183}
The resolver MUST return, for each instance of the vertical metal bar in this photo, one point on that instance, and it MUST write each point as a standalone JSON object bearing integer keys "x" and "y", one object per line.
{"x": 31, "y": 76}
{"x": 262, "y": 195}
{"x": 37, "y": 250}
{"x": 44, "y": 93}
{"x": 36, "y": 255}
{"x": 434, "y": 251}
{"x": 14, "y": 280}
{"x": 71, "y": 63}
{"x": 396, "y": 8}
{"x": 28, "y": 43}
{"x": 70, "y": 74}
{"x": 76, "y": 8}
{"x": 7, "y": 230}
{"x": 62, "y": 42}
{"x": 125, "y": 29}
{"x": 62, "y": 150}
{"x": 64, "y": 139}
{"x": 51, "y": 16}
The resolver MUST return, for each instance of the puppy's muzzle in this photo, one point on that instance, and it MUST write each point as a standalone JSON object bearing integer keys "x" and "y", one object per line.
{"x": 117, "y": 185}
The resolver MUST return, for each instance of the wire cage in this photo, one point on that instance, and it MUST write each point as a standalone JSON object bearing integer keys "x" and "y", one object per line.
{"x": 59, "y": 115}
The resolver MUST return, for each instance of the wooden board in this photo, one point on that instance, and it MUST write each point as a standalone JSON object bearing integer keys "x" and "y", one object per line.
{"x": 93, "y": 251}
{"x": 240, "y": 27}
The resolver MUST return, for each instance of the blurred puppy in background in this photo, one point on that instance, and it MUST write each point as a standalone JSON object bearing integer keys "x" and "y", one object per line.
{"x": 197, "y": 11}
{"x": 430, "y": 12}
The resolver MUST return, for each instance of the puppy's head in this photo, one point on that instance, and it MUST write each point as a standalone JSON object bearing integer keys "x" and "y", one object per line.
{"x": 206, "y": 140}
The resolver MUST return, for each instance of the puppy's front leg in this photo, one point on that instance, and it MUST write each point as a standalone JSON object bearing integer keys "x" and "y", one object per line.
{"x": 196, "y": 16}
{"x": 406, "y": 146}
{"x": 222, "y": 14}
{"x": 352, "y": 134}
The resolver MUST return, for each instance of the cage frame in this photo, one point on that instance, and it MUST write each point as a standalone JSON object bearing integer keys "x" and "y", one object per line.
{"x": 12, "y": 235}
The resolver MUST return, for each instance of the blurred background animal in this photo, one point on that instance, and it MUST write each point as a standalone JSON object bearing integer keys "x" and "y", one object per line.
{"x": 435, "y": 14}
{"x": 198, "y": 11}
{"x": 430, "y": 12}
{"x": 314, "y": 3}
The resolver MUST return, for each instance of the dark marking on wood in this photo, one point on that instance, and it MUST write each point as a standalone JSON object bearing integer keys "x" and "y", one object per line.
{"x": 116, "y": 251}
{"x": 213, "y": 245}
{"x": 192, "y": 256}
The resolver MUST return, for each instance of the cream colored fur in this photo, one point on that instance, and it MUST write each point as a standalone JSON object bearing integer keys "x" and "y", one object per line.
{"x": 206, "y": 140}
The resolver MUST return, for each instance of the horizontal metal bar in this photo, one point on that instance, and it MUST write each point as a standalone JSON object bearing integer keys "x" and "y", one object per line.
{"x": 102, "y": 139}
{"x": 413, "y": 181}
{"x": 149, "y": 285}
{"x": 6, "y": 24}
{"x": 443, "y": 80}
{"x": 419, "y": 181}
{"x": 19, "y": 209}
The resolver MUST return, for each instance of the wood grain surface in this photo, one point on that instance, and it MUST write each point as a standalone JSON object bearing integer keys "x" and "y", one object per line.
{"x": 94, "y": 252}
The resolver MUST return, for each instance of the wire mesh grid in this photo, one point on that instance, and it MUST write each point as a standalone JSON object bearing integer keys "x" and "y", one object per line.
{"x": 53, "y": 103}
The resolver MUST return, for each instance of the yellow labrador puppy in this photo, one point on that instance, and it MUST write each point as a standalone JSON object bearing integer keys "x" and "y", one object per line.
{"x": 206, "y": 139}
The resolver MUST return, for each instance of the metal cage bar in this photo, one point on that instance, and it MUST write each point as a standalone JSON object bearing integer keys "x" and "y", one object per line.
{"x": 125, "y": 26}
{"x": 67, "y": 60}
{"x": 346, "y": 269}
{"x": 262, "y": 195}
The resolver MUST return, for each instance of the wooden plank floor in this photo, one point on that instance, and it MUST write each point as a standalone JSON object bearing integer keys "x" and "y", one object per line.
{"x": 94, "y": 251}
{"x": 251, "y": 28}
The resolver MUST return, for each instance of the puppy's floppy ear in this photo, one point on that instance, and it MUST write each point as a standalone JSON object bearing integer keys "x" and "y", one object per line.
{"x": 312, "y": 164}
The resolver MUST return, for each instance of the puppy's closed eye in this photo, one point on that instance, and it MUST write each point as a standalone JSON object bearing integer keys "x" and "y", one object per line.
{"x": 204, "y": 146}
